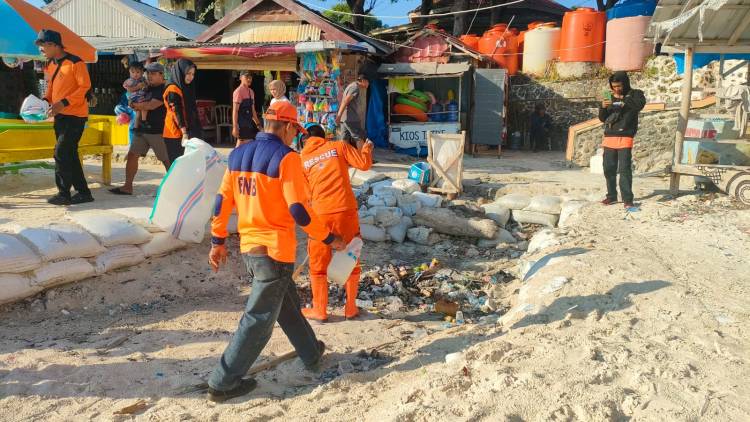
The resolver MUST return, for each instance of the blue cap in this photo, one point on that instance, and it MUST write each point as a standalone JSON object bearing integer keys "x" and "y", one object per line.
{"x": 48, "y": 35}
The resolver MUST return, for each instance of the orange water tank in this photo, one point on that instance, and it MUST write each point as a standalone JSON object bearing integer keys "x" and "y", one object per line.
{"x": 499, "y": 43}
{"x": 582, "y": 38}
{"x": 470, "y": 40}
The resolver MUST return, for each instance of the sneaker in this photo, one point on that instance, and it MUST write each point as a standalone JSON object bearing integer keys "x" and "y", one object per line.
{"x": 80, "y": 198}
{"x": 59, "y": 199}
{"x": 315, "y": 366}
{"x": 608, "y": 201}
{"x": 629, "y": 205}
{"x": 246, "y": 385}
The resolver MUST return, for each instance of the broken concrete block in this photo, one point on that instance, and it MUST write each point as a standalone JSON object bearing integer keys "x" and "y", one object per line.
{"x": 409, "y": 204}
{"x": 542, "y": 240}
{"x": 422, "y": 236}
{"x": 408, "y": 186}
{"x": 545, "y": 204}
{"x": 514, "y": 201}
{"x": 430, "y": 200}
{"x": 372, "y": 233}
{"x": 530, "y": 217}
{"x": 570, "y": 209}
{"x": 397, "y": 232}
{"x": 387, "y": 216}
{"x": 447, "y": 222}
{"x": 360, "y": 177}
{"x": 497, "y": 213}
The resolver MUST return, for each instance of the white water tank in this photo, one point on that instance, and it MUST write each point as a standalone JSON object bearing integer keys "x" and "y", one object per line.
{"x": 541, "y": 45}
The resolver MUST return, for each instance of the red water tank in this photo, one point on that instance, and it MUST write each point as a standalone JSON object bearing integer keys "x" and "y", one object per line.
{"x": 471, "y": 41}
{"x": 582, "y": 38}
{"x": 499, "y": 43}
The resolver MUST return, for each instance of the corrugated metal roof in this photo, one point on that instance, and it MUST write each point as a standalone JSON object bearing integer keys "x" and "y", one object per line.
{"x": 446, "y": 69}
{"x": 181, "y": 26}
{"x": 710, "y": 25}
{"x": 243, "y": 31}
{"x": 132, "y": 44}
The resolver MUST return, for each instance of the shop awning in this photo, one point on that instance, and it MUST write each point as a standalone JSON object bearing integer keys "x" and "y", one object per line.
{"x": 131, "y": 45}
{"x": 393, "y": 70}
{"x": 258, "y": 50}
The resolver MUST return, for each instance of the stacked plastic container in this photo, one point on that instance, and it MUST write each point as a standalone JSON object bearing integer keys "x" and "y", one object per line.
{"x": 626, "y": 27}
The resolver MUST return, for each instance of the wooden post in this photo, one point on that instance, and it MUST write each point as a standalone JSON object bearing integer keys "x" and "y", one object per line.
{"x": 687, "y": 90}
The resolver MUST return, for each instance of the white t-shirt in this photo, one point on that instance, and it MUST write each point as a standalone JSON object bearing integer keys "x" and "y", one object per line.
{"x": 284, "y": 98}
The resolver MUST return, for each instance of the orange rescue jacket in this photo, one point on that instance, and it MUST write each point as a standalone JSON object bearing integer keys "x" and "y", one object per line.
{"x": 326, "y": 166}
{"x": 176, "y": 113}
{"x": 68, "y": 81}
{"x": 264, "y": 181}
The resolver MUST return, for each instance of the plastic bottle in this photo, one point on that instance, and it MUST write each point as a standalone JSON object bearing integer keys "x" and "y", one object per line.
{"x": 460, "y": 318}
{"x": 343, "y": 262}
{"x": 452, "y": 107}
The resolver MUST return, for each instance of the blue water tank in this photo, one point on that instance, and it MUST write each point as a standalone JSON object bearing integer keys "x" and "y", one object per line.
{"x": 453, "y": 115}
{"x": 628, "y": 8}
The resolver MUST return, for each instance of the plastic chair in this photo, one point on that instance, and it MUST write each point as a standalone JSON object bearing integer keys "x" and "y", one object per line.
{"x": 222, "y": 118}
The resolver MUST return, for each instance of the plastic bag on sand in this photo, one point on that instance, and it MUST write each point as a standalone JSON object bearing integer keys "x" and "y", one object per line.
{"x": 33, "y": 109}
{"x": 372, "y": 233}
{"x": 118, "y": 257}
{"x": 408, "y": 186}
{"x": 140, "y": 216}
{"x": 545, "y": 204}
{"x": 14, "y": 287}
{"x": 530, "y": 217}
{"x": 62, "y": 272}
{"x": 187, "y": 193}
{"x": 161, "y": 244}
{"x": 111, "y": 229}
{"x": 15, "y": 257}
{"x": 60, "y": 241}
{"x": 514, "y": 201}
{"x": 397, "y": 233}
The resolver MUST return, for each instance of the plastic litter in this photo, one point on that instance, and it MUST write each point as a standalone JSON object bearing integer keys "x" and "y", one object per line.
{"x": 343, "y": 262}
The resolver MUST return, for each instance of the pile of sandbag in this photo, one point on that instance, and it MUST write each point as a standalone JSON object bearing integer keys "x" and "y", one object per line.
{"x": 543, "y": 210}
{"x": 89, "y": 243}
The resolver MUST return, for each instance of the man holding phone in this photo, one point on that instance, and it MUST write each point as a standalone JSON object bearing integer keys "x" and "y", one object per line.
{"x": 619, "y": 113}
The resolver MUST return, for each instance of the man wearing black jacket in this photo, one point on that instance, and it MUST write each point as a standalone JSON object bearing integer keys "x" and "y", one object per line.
{"x": 620, "y": 117}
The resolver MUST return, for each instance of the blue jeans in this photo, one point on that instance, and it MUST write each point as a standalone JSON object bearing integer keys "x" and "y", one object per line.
{"x": 273, "y": 298}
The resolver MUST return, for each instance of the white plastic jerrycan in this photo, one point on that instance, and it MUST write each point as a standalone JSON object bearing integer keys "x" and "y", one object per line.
{"x": 343, "y": 262}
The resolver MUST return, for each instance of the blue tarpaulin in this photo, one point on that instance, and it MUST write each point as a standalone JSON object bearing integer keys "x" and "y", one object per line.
{"x": 377, "y": 129}
{"x": 702, "y": 59}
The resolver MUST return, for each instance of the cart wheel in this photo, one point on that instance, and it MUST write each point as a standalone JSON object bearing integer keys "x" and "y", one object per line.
{"x": 740, "y": 188}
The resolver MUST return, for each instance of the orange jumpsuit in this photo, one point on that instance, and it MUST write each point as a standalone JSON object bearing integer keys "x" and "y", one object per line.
{"x": 326, "y": 166}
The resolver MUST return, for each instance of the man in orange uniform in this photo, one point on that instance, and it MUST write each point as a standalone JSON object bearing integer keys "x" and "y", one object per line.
{"x": 265, "y": 183}
{"x": 326, "y": 165}
{"x": 68, "y": 84}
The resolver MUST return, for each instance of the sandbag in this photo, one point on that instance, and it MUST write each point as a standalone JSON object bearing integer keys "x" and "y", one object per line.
{"x": 422, "y": 236}
{"x": 570, "y": 209}
{"x": 365, "y": 177}
{"x": 545, "y": 204}
{"x": 140, "y": 216}
{"x": 119, "y": 257}
{"x": 530, "y": 217}
{"x": 62, "y": 272}
{"x": 542, "y": 240}
{"x": 375, "y": 201}
{"x": 14, "y": 287}
{"x": 409, "y": 204}
{"x": 383, "y": 191}
{"x": 33, "y": 109}
{"x": 497, "y": 213}
{"x": 514, "y": 201}
{"x": 429, "y": 200}
{"x": 367, "y": 219}
{"x": 15, "y": 256}
{"x": 397, "y": 233}
{"x": 161, "y": 244}
{"x": 387, "y": 216}
{"x": 372, "y": 233}
{"x": 408, "y": 186}
{"x": 60, "y": 241}
{"x": 186, "y": 196}
{"x": 111, "y": 229}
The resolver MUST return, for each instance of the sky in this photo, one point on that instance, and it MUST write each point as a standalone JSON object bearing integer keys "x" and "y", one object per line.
{"x": 384, "y": 7}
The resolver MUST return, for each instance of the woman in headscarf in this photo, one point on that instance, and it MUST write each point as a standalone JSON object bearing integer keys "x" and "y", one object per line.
{"x": 182, "y": 121}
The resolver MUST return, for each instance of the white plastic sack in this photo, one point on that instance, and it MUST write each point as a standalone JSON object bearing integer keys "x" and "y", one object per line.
{"x": 545, "y": 204}
{"x": 15, "y": 256}
{"x": 498, "y": 213}
{"x": 161, "y": 244}
{"x": 542, "y": 240}
{"x": 384, "y": 191}
{"x": 387, "y": 216}
{"x": 187, "y": 193}
{"x": 514, "y": 201}
{"x": 530, "y": 217}
{"x": 409, "y": 204}
{"x": 570, "y": 209}
{"x": 119, "y": 257}
{"x": 367, "y": 219}
{"x": 372, "y": 233}
{"x": 397, "y": 233}
{"x": 62, "y": 272}
{"x": 139, "y": 216}
{"x": 375, "y": 201}
{"x": 60, "y": 241}
{"x": 429, "y": 200}
{"x": 422, "y": 235}
{"x": 111, "y": 229}
{"x": 14, "y": 287}
{"x": 33, "y": 109}
{"x": 408, "y": 186}
{"x": 377, "y": 185}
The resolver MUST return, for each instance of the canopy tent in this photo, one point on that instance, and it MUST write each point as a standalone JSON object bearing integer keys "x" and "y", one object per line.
{"x": 710, "y": 26}
{"x": 21, "y": 23}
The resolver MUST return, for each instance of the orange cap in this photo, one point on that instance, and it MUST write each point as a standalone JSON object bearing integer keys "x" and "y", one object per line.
{"x": 284, "y": 111}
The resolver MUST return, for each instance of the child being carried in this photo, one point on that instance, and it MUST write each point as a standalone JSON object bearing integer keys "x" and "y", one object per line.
{"x": 136, "y": 86}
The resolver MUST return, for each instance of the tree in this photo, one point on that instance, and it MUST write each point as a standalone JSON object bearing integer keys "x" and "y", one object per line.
{"x": 370, "y": 23}
{"x": 359, "y": 7}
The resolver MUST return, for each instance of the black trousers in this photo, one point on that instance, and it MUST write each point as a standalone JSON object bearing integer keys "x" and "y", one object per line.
{"x": 68, "y": 168}
{"x": 619, "y": 161}
{"x": 174, "y": 148}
